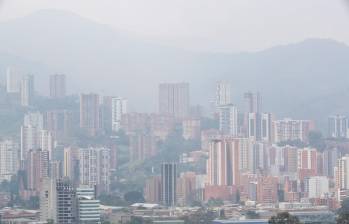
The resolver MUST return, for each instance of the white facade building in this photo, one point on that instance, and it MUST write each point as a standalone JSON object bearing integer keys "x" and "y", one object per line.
{"x": 34, "y": 119}
{"x": 291, "y": 130}
{"x": 119, "y": 107}
{"x": 223, "y": 94}
{"x": 9, "y": 159}
{"x": 342, "y": 173}
{"x": 31, "y": 136}
{"x": 88, "y": 207}
{"x": 228, "y": 120}
{"x": 95, "y": 168}
{"x": 46, "y": 141}
{"x": 337, "y": 126}
{"x": 318, "y": 186}
{"x": 13, "y": 80}
{"x": 29, "y": 140}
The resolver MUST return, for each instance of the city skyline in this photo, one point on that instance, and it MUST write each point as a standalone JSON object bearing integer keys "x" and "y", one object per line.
{"x": 174, "y": 112}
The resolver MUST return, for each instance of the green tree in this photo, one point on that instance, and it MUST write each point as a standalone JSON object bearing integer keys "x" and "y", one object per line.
{"x": 252, "y": 214}
{"x": 202, "y": 216}
{"x": 343, "y": 212}
{"x": 139, "y": 220}
{"x": 344, "y": 207}
{"x": 215, "y": 202}
{"x": 284, "y": 218}
{"x": 316, "y": 140}
{"x": 134, "y": 197}
{"x": 32, "y": 203}
{"x": 343, "y": 218}
{"x": 112, "y": 200}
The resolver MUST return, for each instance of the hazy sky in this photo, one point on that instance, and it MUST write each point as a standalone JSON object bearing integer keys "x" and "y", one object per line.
{"x": 214, "y": 25}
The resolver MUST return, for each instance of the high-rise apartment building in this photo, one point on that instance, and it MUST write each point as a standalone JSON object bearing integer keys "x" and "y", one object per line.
{"x": 337, "y": 126}
{"x": 62, "y": 203}
{"x": 185, "y": 188}
{"x": 331, "y": 157}
{"x": 59, "y": 123}
{"x": 46, "y": 141}
{"x": 246, "y": 154}
{"x": 88, "y": 207}
{"x": 90, "y": 113}
{"x": 174, "y": 99}
{"x": 168, "y": 183}
{"x": 118, "y": 108}
{"x": 48, "y": 200}
{"x": 65, "y": 202}
{"x": 33, "y": 136}
{"x": 57, "y": 86}
{"x": 308, "y": 159}
{"x": 292, "y": 130}
{"x": 71, "y": 164}
{"x": 318, "y": 186}
{"x": 27, "y": 90}
{"x": 152, "y": 190}
{"x": 37, "y": 168}
{"x": 34, "y": 119}
{"x": 267, "y": 190}
{"x": 260, "y": 127}
{"x": 253, "y": 102}
{"x": 228, "y": 120}
{"x": 342, "y": 173}
{"x": 29, "y": 140}
{"x": 259, "y": 158}
{"x": 13, "y": 80}
{"x": 9, "y": 159}
{"x": 94, "y": 166}
{"x": 290, "y": 159}
{"x": 223, "y": 162}
{"x": 223, "y": 94}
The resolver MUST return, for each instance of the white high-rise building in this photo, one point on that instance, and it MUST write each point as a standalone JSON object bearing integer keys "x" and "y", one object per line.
{"x": 88, "y": 207}
{"x": 119, "y": 107}
{"x": 57, "y": 86}
{"x": 292, "y": 130}
{"x": 258, "y": 158}
{"x": 260, "y": 127}
{"x": 223, "y": 94}
{"x": 318, "y": 186}
{"x": 58, "y": 201}
{"x": 337, "y": 126}
{"x": 228, "y": 120}
{"x": 174, "y": 99}
{"x": 9, "y": 159}
{"x": 13, "y": 80}
{"x": 245, "y": 154}
{"x": 342, "y": 173}
{"x": 46, "y": 141}
{"x": 34, "y": 119}
{"x": 27, "y": 90}
{"x": 29, "y": 140}
{"x": 48, "y": 200}
{"x": 253, "y": 102}
{"x": 95, "y": 168}
{"x": 31, "y": 132}
{"x": 223, "y": 162}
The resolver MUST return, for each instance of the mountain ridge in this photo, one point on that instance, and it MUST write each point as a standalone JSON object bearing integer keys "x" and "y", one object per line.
{"x": 288, "y": 76}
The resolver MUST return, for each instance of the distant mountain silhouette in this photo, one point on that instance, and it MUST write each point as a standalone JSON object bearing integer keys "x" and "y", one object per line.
{"x": 303, "y": 80}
